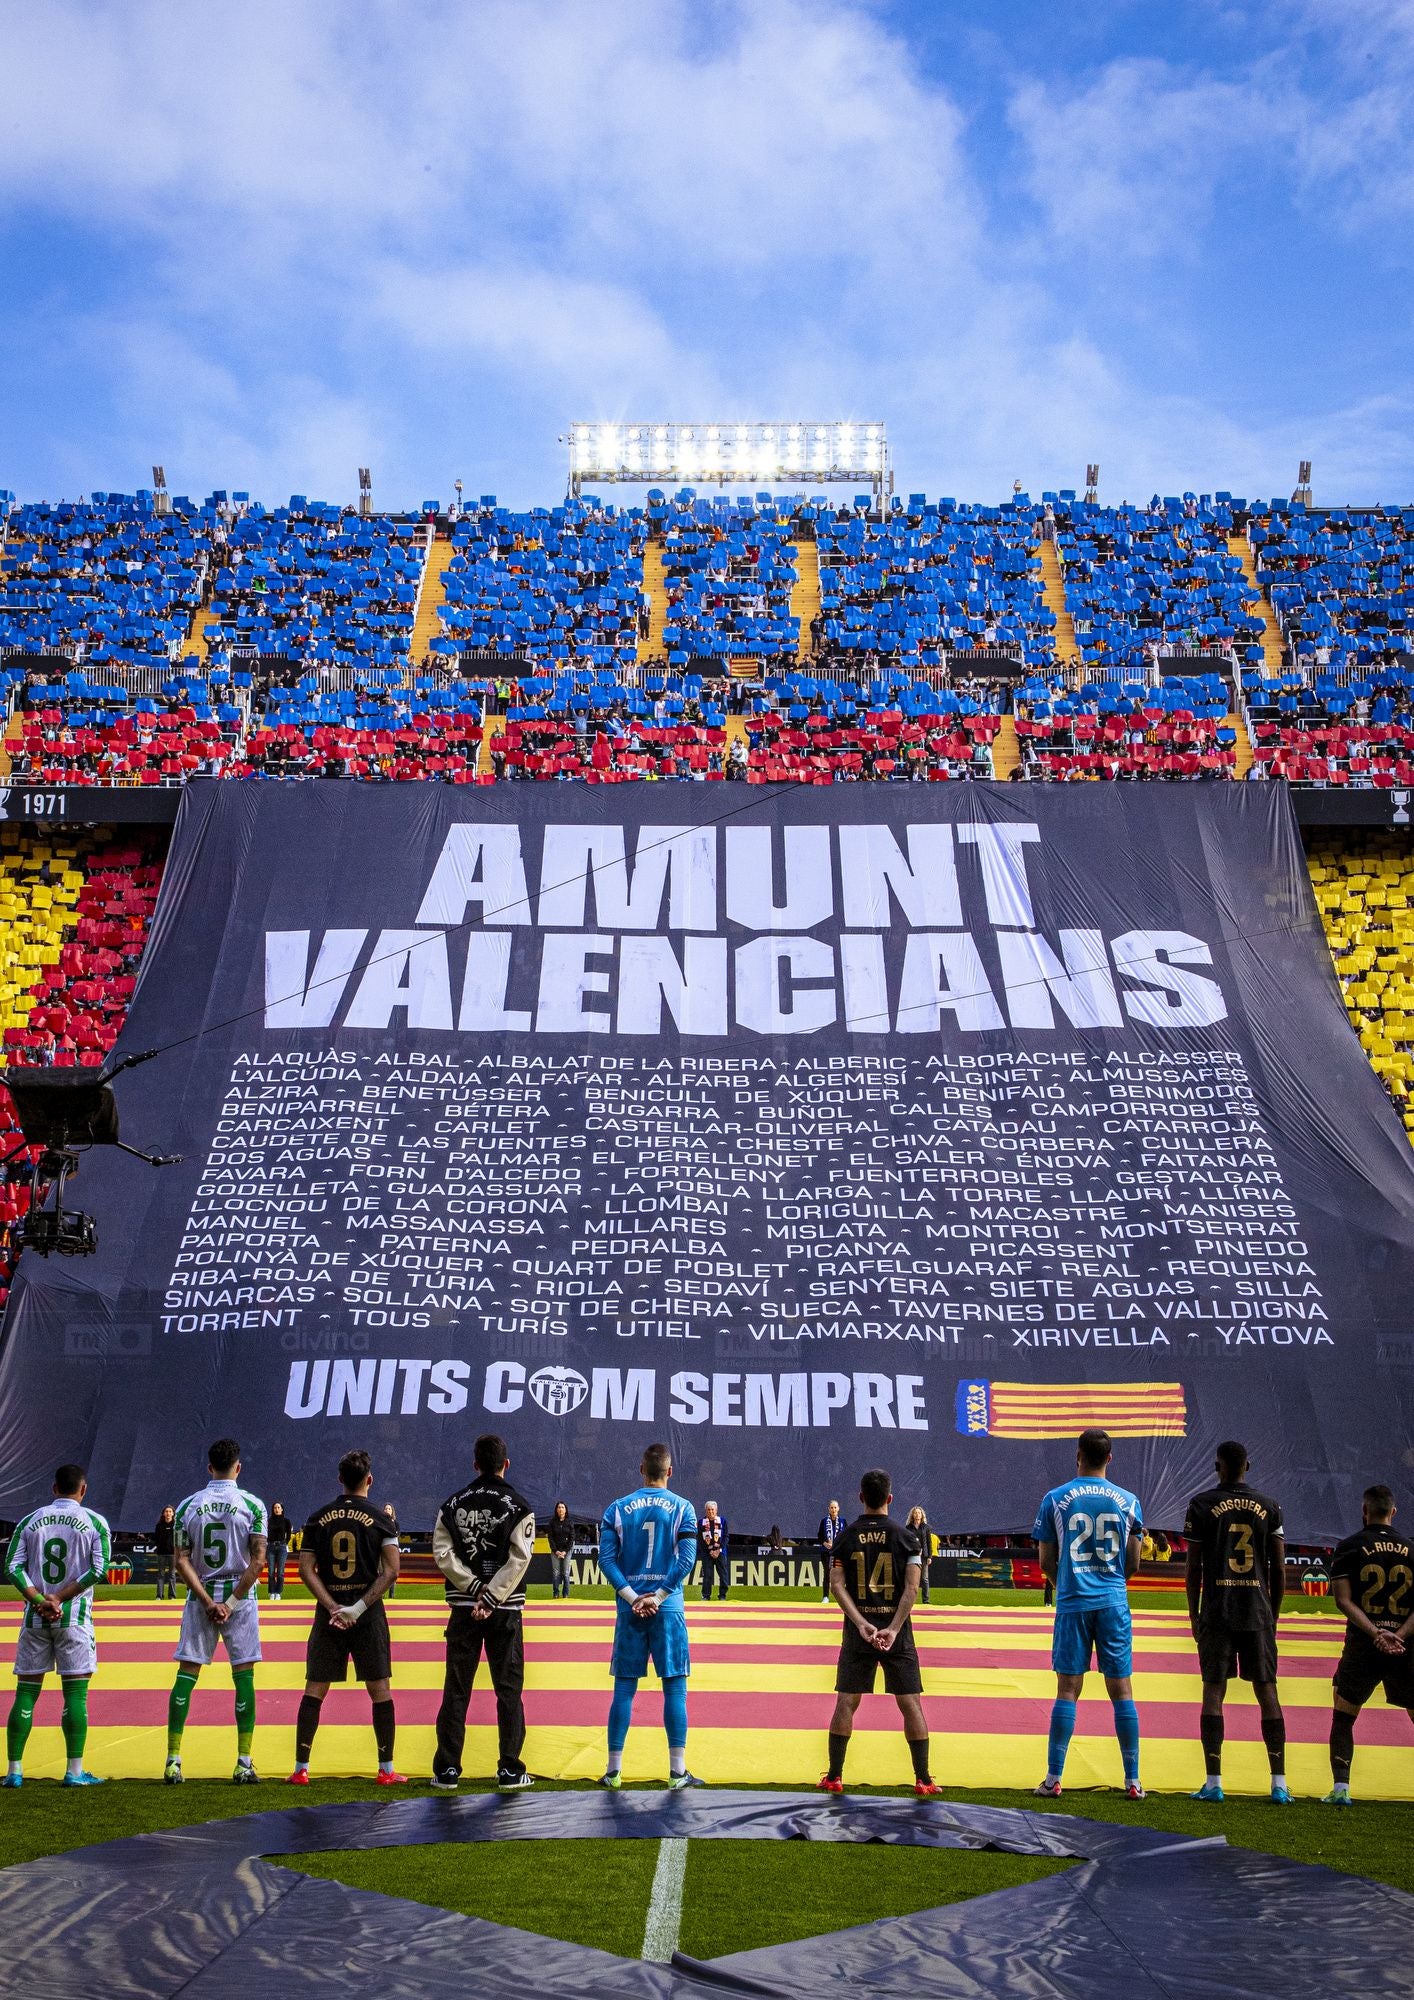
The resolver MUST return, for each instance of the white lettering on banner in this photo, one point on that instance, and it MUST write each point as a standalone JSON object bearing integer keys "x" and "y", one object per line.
{"x": 527, "y": 965}
{"x": 865, "y": 1400}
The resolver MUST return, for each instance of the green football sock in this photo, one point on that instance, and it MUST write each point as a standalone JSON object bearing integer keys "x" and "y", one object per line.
{"x": 75, "y": 1717}
{"x": 244, "y": 1678}
{"x": 177, "y": 1708}
{"x": 21, "y": 1720}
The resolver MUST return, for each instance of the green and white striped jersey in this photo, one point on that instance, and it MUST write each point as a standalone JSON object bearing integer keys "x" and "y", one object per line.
{"x": 215, "y": 1528}
{"x": 60, "y": 1543}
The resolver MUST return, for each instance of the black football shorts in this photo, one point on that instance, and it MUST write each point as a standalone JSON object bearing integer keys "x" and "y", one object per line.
{"x": 860, "y": 1662}
{"x": 1363, "y": 1668}
{"x": 1223, "y": 1653}
{"x": 366, "y": 1643}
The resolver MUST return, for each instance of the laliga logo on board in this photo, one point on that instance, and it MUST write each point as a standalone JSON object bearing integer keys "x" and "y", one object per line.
{"x": 558, "y": 1390}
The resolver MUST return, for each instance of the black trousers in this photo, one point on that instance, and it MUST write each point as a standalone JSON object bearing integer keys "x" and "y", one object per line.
{"x": 501, "y": 1639}
{"x": 714, "y": 1566}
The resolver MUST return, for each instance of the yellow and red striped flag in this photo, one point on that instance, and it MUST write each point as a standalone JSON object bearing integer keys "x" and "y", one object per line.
{"x": 1064, "y": 1409}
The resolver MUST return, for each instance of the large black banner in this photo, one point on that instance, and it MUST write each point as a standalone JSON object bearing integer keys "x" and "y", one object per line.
{"x": 810, "y": 1129}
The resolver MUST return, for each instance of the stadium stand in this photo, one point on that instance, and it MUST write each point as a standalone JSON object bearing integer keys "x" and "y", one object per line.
{"x": 590, "y": 724}
{"x": 729, "y": 571}
{"x": 74, "y": 915}
{"x": 1364, "y": 888}
{"x": 892, "y": 727}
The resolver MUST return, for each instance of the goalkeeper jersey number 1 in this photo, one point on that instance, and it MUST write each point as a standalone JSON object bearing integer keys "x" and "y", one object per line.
{"x": 55, "y": 1545}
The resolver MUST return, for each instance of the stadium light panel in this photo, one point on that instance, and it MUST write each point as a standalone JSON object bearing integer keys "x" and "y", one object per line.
{"x": 719, "y": 452}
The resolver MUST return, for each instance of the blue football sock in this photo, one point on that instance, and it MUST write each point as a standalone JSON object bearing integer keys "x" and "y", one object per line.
{"x": 620, "y": 1715}
{"x": 675, "y": 1711}
{"x": 1127, "y": 1730}
{"x": 1062, "y": 1729}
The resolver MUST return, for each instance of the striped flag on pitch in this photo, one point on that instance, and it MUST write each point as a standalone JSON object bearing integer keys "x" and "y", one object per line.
{"x": 1062, "y": 1409}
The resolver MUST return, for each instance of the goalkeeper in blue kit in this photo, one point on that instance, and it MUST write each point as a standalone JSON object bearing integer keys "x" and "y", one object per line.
{"x": 647, "y": 1549}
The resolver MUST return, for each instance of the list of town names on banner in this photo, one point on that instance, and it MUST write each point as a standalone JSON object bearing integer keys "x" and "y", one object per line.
{"x": 462, "y": 1220}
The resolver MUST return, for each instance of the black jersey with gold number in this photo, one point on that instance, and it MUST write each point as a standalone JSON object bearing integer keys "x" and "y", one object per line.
{"x": 347, "y": 1538}
{"x": 874, "y": 1553}
{"x": 1234, "y": 1529}
{"x": 1378, "y": 1565}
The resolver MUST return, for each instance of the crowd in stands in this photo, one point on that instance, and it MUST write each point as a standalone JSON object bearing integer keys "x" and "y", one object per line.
{"x": 895, "y": 727}
{"x": 550, "y": 587}
{"x": 74, "y": 915}
{"x": 316, "y": 585}
{"x": 1364, "y": 888}
{"x": 730, "y": 569}
{"x": 1125, "y": 729}
{"x": 1341, "y": 582}
{"x": 591, "y": 725}
{"x": 932, "y": 580}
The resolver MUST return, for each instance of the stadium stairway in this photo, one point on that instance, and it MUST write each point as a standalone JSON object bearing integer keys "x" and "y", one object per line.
{"x": 1273, "y": 648}
{"x": 653, "y": 646}
{"x": 427, "y": 625}
{"x": 492, "y": 727}
{"x": 1053, "y": 590}
{"x": 1006, "y": 748}
{"x": 197, "y": 645}
{"x": 805, "y": 593}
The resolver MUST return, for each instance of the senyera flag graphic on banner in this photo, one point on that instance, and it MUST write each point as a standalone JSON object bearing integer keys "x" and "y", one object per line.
{"x": 806, "y": 1129}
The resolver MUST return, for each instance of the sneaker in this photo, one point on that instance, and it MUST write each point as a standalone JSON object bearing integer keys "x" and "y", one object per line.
{"x": 829, "y": 1784}
{"x": 1049, "y": 1788}
{"x": 390, "y": 1778}
{"x": 298, "y": 1778}
{"x": 12, "y": 1781}
{"x": 445, "y": 1781}
{"x": 926, "y": 1789}
{"x": 172, "y": 1771}
{"x": 81, "y": 1778}
{"x": 1134, "y": 1790}
{"x": 513, "y": 1781}
{"x": 1280, "y": 1795}
{"x": 1338, "y": 1795}
{"x": 245, "y": 1774}
{"x": 612, "y": 1781}
{"x": 685, "y": 1782}
{"x": 1210, "y": 1793}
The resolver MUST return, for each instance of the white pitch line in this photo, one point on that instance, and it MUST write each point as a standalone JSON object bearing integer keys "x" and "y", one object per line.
{"x": 660, "y": 1933}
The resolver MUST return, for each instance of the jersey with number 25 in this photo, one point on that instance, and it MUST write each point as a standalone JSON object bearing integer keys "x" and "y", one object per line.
{"x": 1091, "y": 1521}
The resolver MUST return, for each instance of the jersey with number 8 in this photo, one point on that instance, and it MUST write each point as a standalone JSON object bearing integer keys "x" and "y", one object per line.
{"x": 1091, "y": 1521}
{"x": 214, "y": 1529}
{"x": 60, "y": 1543}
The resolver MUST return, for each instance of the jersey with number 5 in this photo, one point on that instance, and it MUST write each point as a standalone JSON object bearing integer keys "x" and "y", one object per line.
{"x": 215, "y": 1529}
{"x": 1091, "y": 1522}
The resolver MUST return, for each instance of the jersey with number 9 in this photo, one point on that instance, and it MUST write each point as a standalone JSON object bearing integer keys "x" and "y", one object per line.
{"x": 1091, "y": 1521}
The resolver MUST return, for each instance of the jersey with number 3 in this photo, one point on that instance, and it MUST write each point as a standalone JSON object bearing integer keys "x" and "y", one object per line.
{"x": 215, "y": 1528}
{"x": 1091, "y": 1521}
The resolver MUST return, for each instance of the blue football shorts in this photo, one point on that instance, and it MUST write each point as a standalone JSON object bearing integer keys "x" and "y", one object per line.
{"x": 1102, "y": 1628}
{"x": 661, "y": 1639}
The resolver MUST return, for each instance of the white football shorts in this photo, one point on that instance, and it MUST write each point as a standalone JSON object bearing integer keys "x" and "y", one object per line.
{"x": 70, "y": 1650}
{"x": 240, "y": 1634}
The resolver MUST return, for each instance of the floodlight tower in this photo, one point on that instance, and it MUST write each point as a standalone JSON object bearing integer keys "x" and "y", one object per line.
{"x": 1092, "y": 485}
{"x": 723, "y": 454}
{"x": 1302, "y": 496}
{"x": 161, "y": 498}
{"x": 365, "y": 493}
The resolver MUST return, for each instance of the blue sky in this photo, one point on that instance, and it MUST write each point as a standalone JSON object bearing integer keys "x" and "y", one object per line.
{"x": 267, "y": 243}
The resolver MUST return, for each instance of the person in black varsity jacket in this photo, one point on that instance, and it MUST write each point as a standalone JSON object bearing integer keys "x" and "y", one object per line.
{"x": 482, "y": 1544}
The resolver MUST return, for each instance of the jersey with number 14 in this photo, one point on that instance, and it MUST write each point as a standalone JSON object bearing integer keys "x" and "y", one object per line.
{"x": 215, "y": 1528}
{"x": 60, "y": 1543}
{"x": 1091, "y": 1521}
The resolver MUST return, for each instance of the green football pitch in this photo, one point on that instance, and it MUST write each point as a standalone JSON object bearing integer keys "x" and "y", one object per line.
{"x": 736, "y": 1895}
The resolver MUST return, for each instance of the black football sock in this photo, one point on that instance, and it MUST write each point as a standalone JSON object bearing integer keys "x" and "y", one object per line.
{"x": 384, "y": 1729}
{"x": 1274, "y": 1736}
{"x": 839, "y": 1746}
{"x": 918, "y": 1751}
{"x": 1342, "y": 1745}
{"x": 1210, "y": 1731}
{"x": 306, "y": 1725}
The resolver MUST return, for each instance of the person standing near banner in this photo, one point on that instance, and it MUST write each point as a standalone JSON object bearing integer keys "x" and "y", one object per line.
{"x": 164, "y": 1548}
{"x": 712, "y": 1540}
{"x": 647, "y": 1547}
{"x": 1236, "y": 1579}
{"x": 56, "y": 1555}
{"x": 1373, "y": 1577}
{"x": 482, "y": 1543}
{"x": 832, "y": 1526}
{"x": 1089, "y": 1533}
{"x": 220, "y": 1554}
